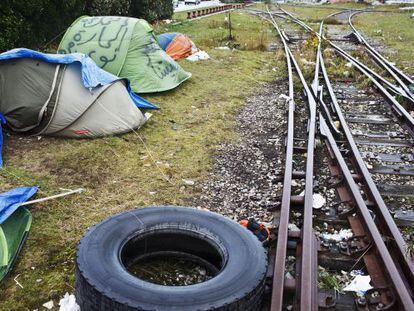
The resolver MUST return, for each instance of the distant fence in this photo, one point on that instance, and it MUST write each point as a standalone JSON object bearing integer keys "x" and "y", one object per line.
{"x": 208, "y": 11}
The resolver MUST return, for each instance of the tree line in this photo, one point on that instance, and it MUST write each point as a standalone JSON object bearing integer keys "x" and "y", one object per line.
{"x": 34, "y": 23}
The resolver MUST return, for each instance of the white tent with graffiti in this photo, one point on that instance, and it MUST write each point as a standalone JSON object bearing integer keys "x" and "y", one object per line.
{"x": 127, "y": 48}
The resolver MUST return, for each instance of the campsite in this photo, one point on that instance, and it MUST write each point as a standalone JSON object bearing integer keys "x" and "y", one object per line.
{"x": 225, "y": 156}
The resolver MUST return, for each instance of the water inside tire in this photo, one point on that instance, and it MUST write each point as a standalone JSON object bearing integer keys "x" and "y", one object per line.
{"x": 172, "y": 258}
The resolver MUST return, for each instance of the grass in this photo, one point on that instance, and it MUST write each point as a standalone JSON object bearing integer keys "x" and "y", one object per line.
{"x": 395, "y": 31}
{"x": 213, "y": 31}
{"x": 330, "y": 281}
{"x": 135, "y": 169}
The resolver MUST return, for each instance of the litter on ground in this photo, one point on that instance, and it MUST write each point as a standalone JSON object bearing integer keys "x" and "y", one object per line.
{"x": 360, "y": 284}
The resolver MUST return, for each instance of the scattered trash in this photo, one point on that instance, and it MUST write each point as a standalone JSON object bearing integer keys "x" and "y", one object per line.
{"x": 48, "y": 305}
{"x": 360, "y": 284}
{"x": 318, "y": 201}
{"x": 200, "y": 55}
{"x": 68, "y": 303}
{"x": 283, "y": 96}
{"x": 343, "y": 234}
{"x": 189, "y": 182}
{"x": 293, "y": 228}
{"x": 226, "y": 48}
{"x": 307, "y": 62}
{"x": 259, "y": 230}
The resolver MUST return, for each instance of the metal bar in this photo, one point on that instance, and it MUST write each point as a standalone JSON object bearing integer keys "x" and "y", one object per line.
{"x": 402, "y": 291}
{"x": 282, "y": 239}
{"x": 308, "y": 290}
{"x": 390, "y": 66}
{"x": 382, "y": 211}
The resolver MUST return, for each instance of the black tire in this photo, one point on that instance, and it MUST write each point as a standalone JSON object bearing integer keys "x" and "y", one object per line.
{"x": 102, "y": 281}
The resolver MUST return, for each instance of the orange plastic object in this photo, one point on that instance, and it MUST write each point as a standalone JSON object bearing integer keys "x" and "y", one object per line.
{"x": 180, "y": 47}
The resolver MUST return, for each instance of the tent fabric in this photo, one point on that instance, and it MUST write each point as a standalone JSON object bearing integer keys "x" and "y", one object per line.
{"x": 176, "y": 45}
{"x": 92, "y": 75}
{"x": 11, "y": 200}
{"x": 13, "y": 234}
{"x": 15, "y": 223}
{"x": 127, "y": 48}
{"x": 165, "y": 39}
{"x": 53, "y": 101}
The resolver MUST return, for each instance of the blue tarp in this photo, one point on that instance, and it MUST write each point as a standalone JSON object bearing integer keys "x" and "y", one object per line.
{"x": 11, "y": 200}
{"x": 165, "y": 39}
{"x": 92, "y": 75}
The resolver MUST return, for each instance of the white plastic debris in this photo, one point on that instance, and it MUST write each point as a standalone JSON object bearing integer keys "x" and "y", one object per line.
{"x": 306, "y": 62}
{"x": 68, "y": 303}
{"x": 48, "y": 305}
{"x": 189, "y": 182}
{"x": 283, "y": 96}
{"x": 360, "y": 284}
{"x": 200, "y": 55}
{"x": 343, "y": 234}
{"x": 348, "y": 65}
{"x": 226, "y": 48}
{"x": 318, "y": 201}
{"x": 293, "y": 227}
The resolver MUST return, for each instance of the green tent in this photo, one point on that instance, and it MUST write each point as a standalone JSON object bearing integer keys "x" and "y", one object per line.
{"x": 13, "y": 233}
{"x": 127, "y": 48}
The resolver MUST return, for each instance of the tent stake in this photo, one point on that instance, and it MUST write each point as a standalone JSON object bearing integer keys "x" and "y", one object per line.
{"x": 53, "y": 197}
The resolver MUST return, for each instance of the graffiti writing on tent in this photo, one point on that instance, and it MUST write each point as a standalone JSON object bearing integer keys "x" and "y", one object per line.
{"x": 160, "y": 68}
{"x": 102, "y": 32}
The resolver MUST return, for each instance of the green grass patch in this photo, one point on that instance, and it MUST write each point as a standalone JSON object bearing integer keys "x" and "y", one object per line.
{"x": 395, "y": 31}
{"x": 249, "y": 33}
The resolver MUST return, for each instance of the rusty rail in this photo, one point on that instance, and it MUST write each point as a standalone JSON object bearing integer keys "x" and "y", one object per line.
{"x": 384, "y": 251}
{"x": 390, "y": 246}
{"x": 396, "y": 73}
{"x": 306, "y": 285}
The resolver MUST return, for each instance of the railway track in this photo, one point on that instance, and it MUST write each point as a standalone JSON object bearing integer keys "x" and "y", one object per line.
{"x": 350, "y": 139}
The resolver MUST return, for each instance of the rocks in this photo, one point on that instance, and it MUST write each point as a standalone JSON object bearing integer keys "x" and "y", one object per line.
{"x": 244, "y": 182}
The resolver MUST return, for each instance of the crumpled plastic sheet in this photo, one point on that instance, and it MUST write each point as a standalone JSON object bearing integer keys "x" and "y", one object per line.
{"x": 68, "y": 303}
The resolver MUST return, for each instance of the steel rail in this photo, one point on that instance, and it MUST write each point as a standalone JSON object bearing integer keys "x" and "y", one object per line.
{"x": 395, "y": 89}
{"x": 382, "y": 61}
{"x": 389, "y": 65}
{"x": 401, "y": 289}
{"x": 400, "y": 273}
{"x": 308, "y": 283}
{"x": 282, "y": 237}
{"x": 404, "y": 262}
{"x": 402, "y": 257}
{"x": 372, "y": 75}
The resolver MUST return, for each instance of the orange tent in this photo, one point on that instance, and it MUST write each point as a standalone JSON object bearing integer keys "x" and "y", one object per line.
{"x": 177, "y": 45}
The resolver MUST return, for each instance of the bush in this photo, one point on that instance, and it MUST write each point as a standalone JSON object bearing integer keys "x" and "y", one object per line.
{"x": 107, "y": 7}
{"x": 33, "y": 23}
{"x": 151, "y": 10}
